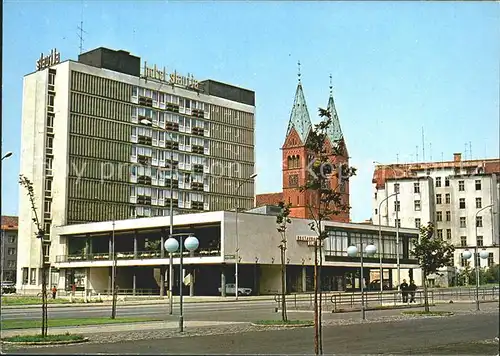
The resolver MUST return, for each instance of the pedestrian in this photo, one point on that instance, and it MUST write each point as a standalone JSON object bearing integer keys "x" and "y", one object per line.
{"x": 412, "y": 288}
{"x": 404, "y": 291}
{"x": 54, "y": 292}
{"x": 73, "y": 289}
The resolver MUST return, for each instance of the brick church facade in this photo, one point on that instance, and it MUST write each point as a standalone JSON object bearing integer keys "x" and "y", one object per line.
{"x": 296, "y": 159}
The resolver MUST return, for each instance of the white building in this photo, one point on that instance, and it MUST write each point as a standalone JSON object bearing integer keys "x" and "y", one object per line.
{"x": 99, "y": 138}
{"x": 81, "y": 254}
{"x": 448, "y": 194}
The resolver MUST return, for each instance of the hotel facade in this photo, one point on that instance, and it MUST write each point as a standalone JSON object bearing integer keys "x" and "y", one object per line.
{"x": 107, "y": 138}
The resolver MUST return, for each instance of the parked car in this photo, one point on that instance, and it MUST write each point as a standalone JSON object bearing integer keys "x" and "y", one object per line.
{"x": 8, "y": 287}
{"x": 231, "y": 289}
{"x": 375, "y": 285}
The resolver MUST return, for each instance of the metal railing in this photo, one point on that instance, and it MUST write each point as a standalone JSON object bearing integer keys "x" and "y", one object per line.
{"x": 131, "y": 255}
{"x": 336, "y": 301}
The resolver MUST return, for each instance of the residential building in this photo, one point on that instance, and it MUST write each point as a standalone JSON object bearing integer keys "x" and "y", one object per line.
{"x": 105, "y": 138}
{"x": 297, "y": 159}
{"x": 82, "y": 254}
{"x": 9, "y": 248}
{"x": 449, "y": 194}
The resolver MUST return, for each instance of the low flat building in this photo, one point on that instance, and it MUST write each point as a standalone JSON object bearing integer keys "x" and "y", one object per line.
{"x": 9, "y": 248}
{"x": 81, "y": 254}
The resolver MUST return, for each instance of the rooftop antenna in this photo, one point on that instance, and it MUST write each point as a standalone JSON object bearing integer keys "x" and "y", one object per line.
{"x": 442, "y": 156}
{"x": 430, "y": 150}
{"x": 470, "y": 149}
{"x": 331, "y": 86}
{"x": 397, "y": 158}
{"x": 82, "y": 31}
{"x": 465, "y": 153}
{"x": 416, "y": 155}
{"x": 423, "y": 145}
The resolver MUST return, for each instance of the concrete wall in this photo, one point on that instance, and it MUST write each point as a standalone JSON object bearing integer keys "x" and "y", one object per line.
{"x": 270, "y": 279}
{"x": 98, "y": 278}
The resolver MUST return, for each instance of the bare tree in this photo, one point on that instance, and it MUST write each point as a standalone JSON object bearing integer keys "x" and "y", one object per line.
{"x": 325, "y": 201}
{"x": 282, "y": 220}
{"x": 28, "y": 185}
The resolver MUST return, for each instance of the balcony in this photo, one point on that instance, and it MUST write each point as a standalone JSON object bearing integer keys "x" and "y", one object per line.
{"x": 141, "y": 255}
{"x": 175, "y": 183}
{"x": 144, "y": 180}
{"x": 145, "y": 101}
{"x": 197, "y": 205}
{"x": 197, "y": 149}
{"x": 144, "y": 159}
{"x": 144, "y": 140}
{"x": 144, "y": 200}
{"x": 172, "y": 107}
{"x": 197, "y": 186}
{"x": 172, "y": 145}
{"x": 198, "y": 168}
{"x": 198, "y": 131}
{"x": 172, "y": 126}
{"x": 198, "y": 113}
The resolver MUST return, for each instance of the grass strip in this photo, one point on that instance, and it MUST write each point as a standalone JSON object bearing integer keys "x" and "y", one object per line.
{"x": 38, "y": 300}
{"x": 31, "y": 324}
{"x": 40, "y": 338}
{"x": 430, "y": 313}
{"x": 281, "y": 322}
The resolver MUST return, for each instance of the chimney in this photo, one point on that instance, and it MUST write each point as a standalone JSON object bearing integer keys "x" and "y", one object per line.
{"x": 457, "y": 157}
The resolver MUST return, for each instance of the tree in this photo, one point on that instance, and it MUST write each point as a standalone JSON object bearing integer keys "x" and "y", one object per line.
{"x": 282, "y": 220}
{"x": 28, "y": 185}
{"x": 432, "y": 254}
{"x": 325, "y": 201}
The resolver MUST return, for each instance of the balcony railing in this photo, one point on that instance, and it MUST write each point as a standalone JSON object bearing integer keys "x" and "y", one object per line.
{"x": 141, "y": 255}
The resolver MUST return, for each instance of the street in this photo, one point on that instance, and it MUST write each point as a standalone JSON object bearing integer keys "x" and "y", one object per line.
{"x": 447, "y": 335}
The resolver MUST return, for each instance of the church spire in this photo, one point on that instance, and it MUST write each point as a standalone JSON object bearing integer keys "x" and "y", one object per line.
{"x": 334, "y": 131}
{"x": 299, "y": 117}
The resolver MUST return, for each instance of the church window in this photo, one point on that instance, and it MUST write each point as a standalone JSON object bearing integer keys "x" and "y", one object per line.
{"x": 293, "y": 180}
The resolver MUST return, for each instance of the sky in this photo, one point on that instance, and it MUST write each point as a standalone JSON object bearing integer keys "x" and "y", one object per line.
{"x": 397, "y": 68}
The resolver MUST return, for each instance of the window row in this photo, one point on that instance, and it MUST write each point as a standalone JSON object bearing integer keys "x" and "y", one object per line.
{"x": 161, "y": 119}
{"x": 231, "y": 116}
{"x": 161, "y": 97}
{"x": 232, "y": 134}
{"x": 100, "y": 86}
{"x": 100, "y": 107}
{"x": 97, "y": 127}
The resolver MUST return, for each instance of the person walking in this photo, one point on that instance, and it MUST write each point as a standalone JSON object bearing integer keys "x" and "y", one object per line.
{"x": 404, "y": 291}
{"x": 412, "y": 288}
{"x": 54, "y": 292}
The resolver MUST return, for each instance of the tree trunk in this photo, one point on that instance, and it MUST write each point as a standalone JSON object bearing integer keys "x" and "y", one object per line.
{"x": 426, "y": 298}
{"x": 44, "y": 298}
{"x": 283, "y": 286}
{"x": 316, "y": 329}
{"x": 320, "y": 316}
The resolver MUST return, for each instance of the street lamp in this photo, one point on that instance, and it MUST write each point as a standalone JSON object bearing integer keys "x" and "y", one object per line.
{"x": 352, "y": 251}
{"x": 380, "y": 237}
{"x": 171, "y": 213}
{"x": 237, "y": 255}
{"x": 171, "y": 245}
{"x": 483, "y": 255}
{"x": 396, "y": 184}
{"x": 7, "y": 155}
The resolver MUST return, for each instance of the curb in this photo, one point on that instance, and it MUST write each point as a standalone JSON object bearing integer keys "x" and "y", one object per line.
{"x": 85, "y": 339}
{"x": 431, "y": 314}
{"x": 283, "y": 325}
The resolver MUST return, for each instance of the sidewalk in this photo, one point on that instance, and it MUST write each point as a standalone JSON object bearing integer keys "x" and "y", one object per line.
{"x": 105, "y": 328}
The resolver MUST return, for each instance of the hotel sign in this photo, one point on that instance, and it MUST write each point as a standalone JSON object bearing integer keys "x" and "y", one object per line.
{"x": 173, "y": 78}
{"x": 47, "y": 61}
{"x": 309, "y": 239}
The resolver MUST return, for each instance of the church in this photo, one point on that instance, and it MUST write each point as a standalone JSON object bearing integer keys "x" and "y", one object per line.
{"x": 296, "y": 160}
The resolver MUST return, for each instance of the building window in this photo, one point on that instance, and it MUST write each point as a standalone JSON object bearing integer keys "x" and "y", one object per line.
{"x": 376, "y": 211}
{"x": 11, "y": 239}
{"x": 375, "y": 195}
{"x": 479, "y": 241}
{"x": 461, "y": 203}
{"x": 448, "y": 234}
{"x": 438, "y": 182}
{"x": 48, "y": 185}
{"x": 416, "y": 187}
{"x": 398, "y": 223}
{"x": 50, "y": 142}
{"x": 447, "y": 198}
{"x": 33, "y": 276}
{"x": 50, "y": 121}
{"x": 478, "y": 184}
{"x": 25, "y": 275}
{"x": 416, "y": 204}
{"x": 440, "y": 234}
{"x": 438, "y": 199}
{"x": 461, "y": 185}
{"x": 463, "y": 222}
{"x": 439, "y": 216}
{"x": 448, "y": 216}
{"x": 397, "y": 205}
{"x": 52, "y": 78}
{"x": 293, "y": 180}
{"x": 417, "y": 223}
{"x": 50, "y": 100}
{"x": 11, "y": 263}
{"x": 479, "y": 221}
{"x": 463, "y": 241}
{"x": 464, "y": 262}
{"x": 11, "y": 251}
{"x": 491, "y": 261}
{"x": 478, "y": 203}
{"x": 396, "y": 187}
{"x": 446, "y": 181}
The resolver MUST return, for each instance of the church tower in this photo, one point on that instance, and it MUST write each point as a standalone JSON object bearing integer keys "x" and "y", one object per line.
{"x": 295, "y": 158}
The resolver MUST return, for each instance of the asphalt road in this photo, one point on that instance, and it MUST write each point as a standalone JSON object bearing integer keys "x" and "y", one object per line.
{"x": 459, "y": 334}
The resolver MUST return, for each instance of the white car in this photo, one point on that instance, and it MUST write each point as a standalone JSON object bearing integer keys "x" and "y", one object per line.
{"x": 231, "y": 289}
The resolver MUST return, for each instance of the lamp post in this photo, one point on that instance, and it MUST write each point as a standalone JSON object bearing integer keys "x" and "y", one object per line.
{"x": 171, "y": 213}
{"x": 380, "y": 238}
{"x": 171, "y": 245}
{"x": 396, "y": 184}
{"x": 7, "y": 155}
{"x": 483, "y": 255}
{"x": 352, "y": 251}
{"x": 113, "y": 275}
{"x": 237, "y": 254}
